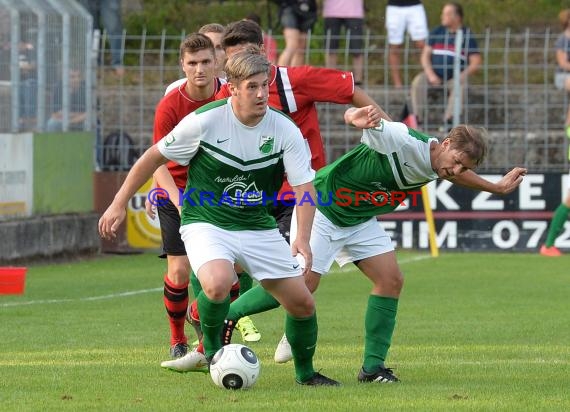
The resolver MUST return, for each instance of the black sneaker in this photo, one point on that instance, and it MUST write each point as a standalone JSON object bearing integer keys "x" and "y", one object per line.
{"x": 227, "y": 331}
{"x": 319, "y": 380}
{"x": 384, "y": 375}
{"x": 179, "y": 350}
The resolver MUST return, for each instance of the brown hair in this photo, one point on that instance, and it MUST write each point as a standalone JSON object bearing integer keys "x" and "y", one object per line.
{"x": 212, "y": 28}
{"x": 240, "y": 32}
{"x": 470, "y": 140}
{"x": 564, "y": 17}
{"x": 195, "y": 42}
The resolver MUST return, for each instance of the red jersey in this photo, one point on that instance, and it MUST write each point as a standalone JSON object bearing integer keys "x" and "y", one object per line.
{"x": 295, "y": 90}
{"x": 170, "y": 110}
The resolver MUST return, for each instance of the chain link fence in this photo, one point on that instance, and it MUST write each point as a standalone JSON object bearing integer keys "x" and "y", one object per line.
{"x": 46, "y": 66}
{"x": 512, "y": 95}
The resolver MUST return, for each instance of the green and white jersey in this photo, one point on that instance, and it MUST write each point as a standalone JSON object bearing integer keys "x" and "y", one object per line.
{"x": 373, "y": 178}
{"x": 235, "y": 171}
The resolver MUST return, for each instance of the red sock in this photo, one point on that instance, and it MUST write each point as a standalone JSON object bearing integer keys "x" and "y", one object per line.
{"x": 176, "y": 304}
{"x": 200, "y": 347}
{"x": 194, "y": 310}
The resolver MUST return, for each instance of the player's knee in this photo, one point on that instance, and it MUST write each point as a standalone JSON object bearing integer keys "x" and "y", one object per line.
{"x": 303, "y": 308}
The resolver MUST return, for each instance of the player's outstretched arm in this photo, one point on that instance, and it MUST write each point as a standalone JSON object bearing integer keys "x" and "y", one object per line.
{"x": 305, "y": 211}
{"x": 363, "y": 117}
{"x": 506, "y": 185}
{"x": 141, "y": 171}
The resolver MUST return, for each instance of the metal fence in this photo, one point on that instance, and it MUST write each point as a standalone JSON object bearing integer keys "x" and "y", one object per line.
{"x": 513, "y": 96}
{"x": 45, "y": 66}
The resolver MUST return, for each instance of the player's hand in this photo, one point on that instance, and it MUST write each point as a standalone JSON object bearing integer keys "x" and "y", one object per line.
{"x": 363, "y": 117}
{"x": 511, "y": 181}
{"x": 150, "y": 209}
{"x": 303, "y": 248}
{"x": 110, "y": 221}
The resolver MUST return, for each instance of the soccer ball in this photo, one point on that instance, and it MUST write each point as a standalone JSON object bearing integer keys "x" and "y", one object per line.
{"x": 234, "y": 366}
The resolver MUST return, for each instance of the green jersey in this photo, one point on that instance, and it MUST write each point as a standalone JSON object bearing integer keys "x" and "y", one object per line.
{"x": 374, "y": 178}
{"x": 235, "y": 171}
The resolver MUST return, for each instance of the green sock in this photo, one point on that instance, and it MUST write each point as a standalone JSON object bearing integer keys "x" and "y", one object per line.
{"x": 302, "y": 336}
{"x": 212, "y": 315}
{"x": 379, "y": 323}
{"x": 557, "y": 223}
{"x": 256, "y": 300}
{"x": 245, "y": 282}
{"x": 196, "y": 286}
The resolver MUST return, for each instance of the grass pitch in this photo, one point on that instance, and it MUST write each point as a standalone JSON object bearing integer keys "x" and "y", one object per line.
{"x": 474, "y": 332}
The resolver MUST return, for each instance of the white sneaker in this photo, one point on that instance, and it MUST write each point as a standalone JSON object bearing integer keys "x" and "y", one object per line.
{"x": 193, "y": 361}
{"x": 283, "y": 352}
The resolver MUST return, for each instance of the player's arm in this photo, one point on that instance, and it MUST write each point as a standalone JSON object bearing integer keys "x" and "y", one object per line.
{"x": 506, "y": 185}
{"x": 364, "y": 117}
{"x": 164, "y": 179}
{"x": 140, "y": 172}
{"x": 361, "y": 99}
{"x": 305, "y": 211}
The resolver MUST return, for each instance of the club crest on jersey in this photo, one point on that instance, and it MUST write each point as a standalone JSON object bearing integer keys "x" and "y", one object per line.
{"x": 169, "y": 140}
{"x": 266, "y": 144}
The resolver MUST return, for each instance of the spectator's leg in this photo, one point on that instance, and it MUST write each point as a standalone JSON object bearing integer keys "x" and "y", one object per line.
{"x": 111, "y": 17}
{"x": 299, "y": 55}
{"x": 291, "y": 42}
{"x": 419, "y": 96}
{"x": 448, "y": 116}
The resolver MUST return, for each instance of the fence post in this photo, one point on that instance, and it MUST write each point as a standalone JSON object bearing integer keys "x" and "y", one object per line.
{"x": 458, "y": 90}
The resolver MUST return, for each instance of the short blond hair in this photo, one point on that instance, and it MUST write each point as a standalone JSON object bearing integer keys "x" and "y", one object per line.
{"x": 470, "y": 140}
{"x": 244, "y": 64}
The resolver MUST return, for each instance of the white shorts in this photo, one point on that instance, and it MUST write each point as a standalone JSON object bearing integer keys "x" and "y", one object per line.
{"x": 410, "y": 18}
{"x": 264, "y": 254}
{"x": 330, "y": 242}
{"x": 560, "y": 80}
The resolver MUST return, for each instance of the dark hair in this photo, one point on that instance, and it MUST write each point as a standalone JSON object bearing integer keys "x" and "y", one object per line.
{"x": 195, "y": 42}
{"x": 240, "y": 32}
{"x": 458, "y": 8}
{"x": 470, "y": 140}
{"x": 254, "y": 17}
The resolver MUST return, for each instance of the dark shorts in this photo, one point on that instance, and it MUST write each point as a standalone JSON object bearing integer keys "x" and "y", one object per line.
{"x": 282, "y": 215}
{"x": 172, "y": 243}
{"x": 334, "y": 25}
{"x": 290, "y": 19}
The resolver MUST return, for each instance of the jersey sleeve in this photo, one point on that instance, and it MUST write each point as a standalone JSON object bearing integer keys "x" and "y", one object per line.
{"x": 297, "y": 159}
{"x": 323, "y": 84}
{"x": 386, "y": 137}
{"x": 223, "y": 92}
{"x": 164, "y": 121}
{"x": 182, "y": 143}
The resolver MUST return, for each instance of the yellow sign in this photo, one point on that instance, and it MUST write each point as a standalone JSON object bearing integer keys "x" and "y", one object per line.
{"x": 142, "y": 231}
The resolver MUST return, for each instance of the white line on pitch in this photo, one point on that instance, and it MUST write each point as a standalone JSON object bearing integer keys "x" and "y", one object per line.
{"x": 86, "y": 299}
{"x": 140, "y": 292}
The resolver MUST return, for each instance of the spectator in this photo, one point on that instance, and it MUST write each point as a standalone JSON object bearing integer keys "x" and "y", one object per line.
{"x": 215, "y": 32}
{"x": 108, "y": 12}
{"x": 77, "y": 108}
{"x": 350, "y": 15}
{"x": 437, "y": 60}
{"x": 28, "y": 90}
{"x": 562, "y": 75}
{"x": 297, "y": 17}
{"x": 402, "y": 16}
{"x": 269, "y": 43}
